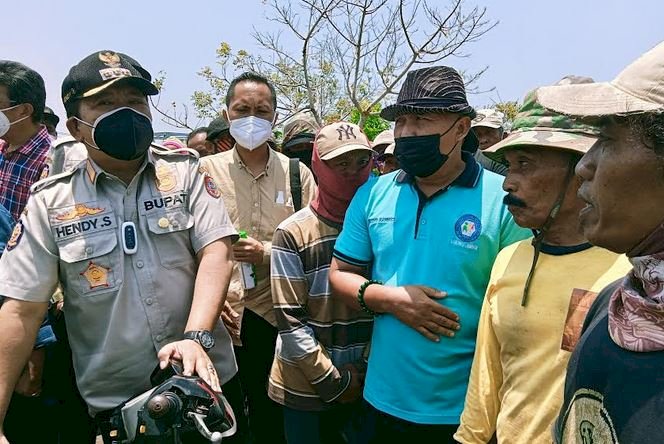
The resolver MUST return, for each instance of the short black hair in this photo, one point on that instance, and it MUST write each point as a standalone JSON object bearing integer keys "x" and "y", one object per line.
{"x": 251, "y": 77}
{"x": 201, "y": 130}
{"x": 24, "y": 85}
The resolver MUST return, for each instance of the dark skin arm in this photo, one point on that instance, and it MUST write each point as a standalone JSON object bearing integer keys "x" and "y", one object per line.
{"x": 414, "y": 305}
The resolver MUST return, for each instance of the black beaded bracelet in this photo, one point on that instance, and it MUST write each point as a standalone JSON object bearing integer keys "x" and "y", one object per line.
{"x": 360, "y": 296}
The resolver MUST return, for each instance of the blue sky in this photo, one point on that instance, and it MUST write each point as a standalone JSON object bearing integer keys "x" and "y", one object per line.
{"x": 536, "y": 42}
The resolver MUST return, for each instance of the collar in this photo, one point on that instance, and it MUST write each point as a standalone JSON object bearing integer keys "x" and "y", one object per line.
{"x": 469, "y": 177}
{"x": 237, "y": 161}
{"x": 93, "y": 171}
{"x": 556, "y": 250}
{"x": 41, "y": 140}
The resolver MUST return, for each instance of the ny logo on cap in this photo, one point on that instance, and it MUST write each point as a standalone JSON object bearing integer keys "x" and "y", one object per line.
{"x": 346, "y": 130}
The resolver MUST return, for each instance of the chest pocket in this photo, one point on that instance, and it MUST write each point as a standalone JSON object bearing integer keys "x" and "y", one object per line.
{"x": 170, "y": 232}
{"x": 91, "y": 264}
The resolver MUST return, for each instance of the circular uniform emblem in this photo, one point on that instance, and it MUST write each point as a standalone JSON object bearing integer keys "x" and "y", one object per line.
{"x": 468, "y": 228}
{"x": 211, "y": 187}
{"x": 587, "y": 421}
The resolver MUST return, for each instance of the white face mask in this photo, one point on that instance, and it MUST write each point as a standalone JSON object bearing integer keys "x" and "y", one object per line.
{"x": 251, "y": 132}
{"x": 5, "y": 124}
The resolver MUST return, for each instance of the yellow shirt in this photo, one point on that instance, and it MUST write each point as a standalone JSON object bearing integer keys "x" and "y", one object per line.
{"x": 518, "y": 373}
{"x": 256, "y": 205}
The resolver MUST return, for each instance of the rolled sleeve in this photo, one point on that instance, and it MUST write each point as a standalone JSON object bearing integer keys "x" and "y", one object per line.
{"x": 354, "y": 242}
{"x": 211, "y": 221}
{"x": 29, "y": 265}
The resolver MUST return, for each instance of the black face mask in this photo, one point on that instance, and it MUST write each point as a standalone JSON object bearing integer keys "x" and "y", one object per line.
{"x": 420, "y": 156}
{"x": 123, "y": 134}
{"x": 303, "y": 156}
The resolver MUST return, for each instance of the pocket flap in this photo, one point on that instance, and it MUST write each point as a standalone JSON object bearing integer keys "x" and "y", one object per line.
{"x": 169, "y": 221}
{"x": 83, "y": 248}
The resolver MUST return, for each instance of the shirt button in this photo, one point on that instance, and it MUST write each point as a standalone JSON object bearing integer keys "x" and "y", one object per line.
{"x": 255, "y": 204}
{"x": 139, "y": 264}
{"x": 253, "y": 181}
{"x": 148, "y": 301}
{"x": 159, "y": 338}
{"x": 88, "y": 250}
{"x": 254, "y": 228}
{"x": 424, "y": 222}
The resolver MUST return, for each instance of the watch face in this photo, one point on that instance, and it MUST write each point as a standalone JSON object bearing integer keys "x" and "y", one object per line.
{"x": 206, "y": 339}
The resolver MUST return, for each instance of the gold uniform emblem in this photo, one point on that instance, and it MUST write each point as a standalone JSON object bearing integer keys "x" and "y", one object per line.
{"x": 163, "y": 223}
{"x": 79, "y": 210}
{"x": 96, "y": 275}
{"x": 110, "y": 59}
{"x": 166, "y": 180}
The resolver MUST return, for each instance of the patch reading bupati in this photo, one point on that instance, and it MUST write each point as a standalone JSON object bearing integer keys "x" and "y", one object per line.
{"x": 211, "y": 187}
{"x": 166, "y": 180}
{"x": 587, "y": 421}
{"x": 16, "y": 236}
{"x": 96, "y": 275}
{"x": 468, "y": 228}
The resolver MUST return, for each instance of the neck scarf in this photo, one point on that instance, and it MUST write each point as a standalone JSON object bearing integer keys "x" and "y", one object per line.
{"x": 334, "y": 190}
{"x": 636, "y": 308}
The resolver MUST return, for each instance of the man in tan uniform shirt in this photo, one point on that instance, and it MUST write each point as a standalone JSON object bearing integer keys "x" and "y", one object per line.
{"x": 254, "y": 182}
{"x": 129, "y": 305}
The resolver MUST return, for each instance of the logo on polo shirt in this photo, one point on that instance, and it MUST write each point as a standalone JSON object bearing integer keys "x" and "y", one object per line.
{"x": 468, "y": 228}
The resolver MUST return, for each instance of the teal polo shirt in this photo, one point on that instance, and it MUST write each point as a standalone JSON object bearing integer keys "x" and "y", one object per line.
{"x": 448, "y": 241}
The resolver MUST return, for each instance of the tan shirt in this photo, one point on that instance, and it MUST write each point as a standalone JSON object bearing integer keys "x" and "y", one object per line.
{"x": 257, "y": 205}
{"x": 121, "y": 308}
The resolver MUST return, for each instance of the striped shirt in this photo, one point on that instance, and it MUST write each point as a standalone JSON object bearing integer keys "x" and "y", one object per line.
{"x": 20, "y": 168}
{"x": 317, "y": 334}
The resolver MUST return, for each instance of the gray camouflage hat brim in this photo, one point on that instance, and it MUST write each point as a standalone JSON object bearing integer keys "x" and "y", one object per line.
{"x": 545, "y": 139}
{"x": 593, "y": 100}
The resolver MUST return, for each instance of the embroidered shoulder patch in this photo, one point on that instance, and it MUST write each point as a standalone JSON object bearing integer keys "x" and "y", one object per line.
{"x": 15, "y": 237}
{"x": 211, "y": 187}
{"x": 45, "y": 172}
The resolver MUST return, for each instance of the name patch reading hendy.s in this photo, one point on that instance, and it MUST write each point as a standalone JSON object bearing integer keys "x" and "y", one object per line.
{"x": 165, "y": 202}
{"x": 81, "y": 219}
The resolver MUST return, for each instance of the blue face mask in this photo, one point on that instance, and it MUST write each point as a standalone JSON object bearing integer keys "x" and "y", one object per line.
{"x": 420, "y": 156}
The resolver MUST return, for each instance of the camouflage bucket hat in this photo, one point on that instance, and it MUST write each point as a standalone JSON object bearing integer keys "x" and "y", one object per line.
{"x": 536, "y": 126}
{"x": 302, "y": 127}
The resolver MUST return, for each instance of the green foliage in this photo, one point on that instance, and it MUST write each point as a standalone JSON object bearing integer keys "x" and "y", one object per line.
{"x": 373, "y": 124}
{"x": 509, "y": 108}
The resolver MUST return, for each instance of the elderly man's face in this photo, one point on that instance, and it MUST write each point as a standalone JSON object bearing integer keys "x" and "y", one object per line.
{"x": 623, "y": 185}
{"x": 534, "y": 181}
{"x": 488, "y": 136}
{"x": 426, "y": 124}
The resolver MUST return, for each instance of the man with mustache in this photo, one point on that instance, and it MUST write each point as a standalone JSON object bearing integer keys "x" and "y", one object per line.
{"x": 614, "y": 389}
{"x": 540, "y": 290}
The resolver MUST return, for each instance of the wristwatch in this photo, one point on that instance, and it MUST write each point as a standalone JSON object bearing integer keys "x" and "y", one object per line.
{"x": 204, "y": 338}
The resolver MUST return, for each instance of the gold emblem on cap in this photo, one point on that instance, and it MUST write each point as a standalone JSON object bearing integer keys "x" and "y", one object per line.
{"x": 166, "y": 180}
{"x": 163, "y": 223}
{"x": 110, "y": 59}
{"x": 96, "y": 275}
